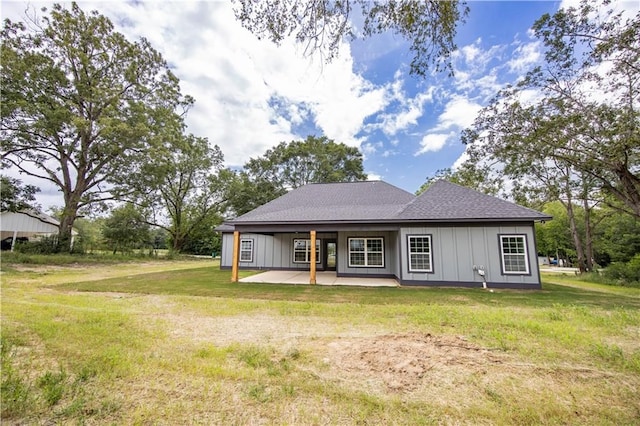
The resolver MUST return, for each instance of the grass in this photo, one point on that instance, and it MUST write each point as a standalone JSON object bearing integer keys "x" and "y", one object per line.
{"x": 144, "y": 343}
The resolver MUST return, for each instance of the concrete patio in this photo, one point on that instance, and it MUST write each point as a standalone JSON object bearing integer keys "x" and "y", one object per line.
{"x": 322, "y": 278}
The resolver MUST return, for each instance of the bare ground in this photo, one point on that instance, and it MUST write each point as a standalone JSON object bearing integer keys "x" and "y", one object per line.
{"x": 414, "y": 365}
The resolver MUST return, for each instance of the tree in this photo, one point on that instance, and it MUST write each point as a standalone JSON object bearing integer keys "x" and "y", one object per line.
{"x": 126, "y": 229}
{"x": 179, "y": 187}
{"x": 469, "y": 175}
{"x": 314, "y": 160}
{"x": 243, "y": 193}
{"x": 288, "y": 166}
{"x": 429, "y": 26}
{"x": 553, "y": 238}
{"x": 80, "y": 104}
{"x": 15, "y": 196}
{"x": 203, "y": 239}
{"x": 585, "y": 118}
{"x": 568, "y": 144}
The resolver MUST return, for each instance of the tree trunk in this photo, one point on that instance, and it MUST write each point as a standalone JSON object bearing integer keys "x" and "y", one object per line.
{"x": 65, "y": 235}
{"x": 69, "y": 215}
{"x": 574, "y": 231}
{"x": 588, "y": 235}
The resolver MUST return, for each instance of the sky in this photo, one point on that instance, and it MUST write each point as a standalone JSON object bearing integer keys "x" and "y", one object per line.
{"x": 251, "y": 94}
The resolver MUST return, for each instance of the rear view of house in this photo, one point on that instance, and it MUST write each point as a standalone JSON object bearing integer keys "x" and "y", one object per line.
{"x": 447, "y": 236}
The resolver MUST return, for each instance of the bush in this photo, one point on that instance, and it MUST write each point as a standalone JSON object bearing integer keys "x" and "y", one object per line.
{"x": 625, "y": 274}
{"x": 46, "y": 245}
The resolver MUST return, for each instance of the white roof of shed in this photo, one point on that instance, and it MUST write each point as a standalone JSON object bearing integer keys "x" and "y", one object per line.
{"x": 28, "y": 222}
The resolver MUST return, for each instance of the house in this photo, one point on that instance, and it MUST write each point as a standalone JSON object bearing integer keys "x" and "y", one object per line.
{"x": 448, "y": 236}
{"x": 27, "y": 225}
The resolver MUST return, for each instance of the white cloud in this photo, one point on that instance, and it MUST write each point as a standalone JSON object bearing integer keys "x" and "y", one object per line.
{"x": 434, "y": 142}
{"x": 374, "y": 176}
{"x": 524, "y": 56}
{"x": 459, "y": 112}
{"x": 411, "y": 110}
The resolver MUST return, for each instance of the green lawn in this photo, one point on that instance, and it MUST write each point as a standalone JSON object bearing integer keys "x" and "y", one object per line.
{"x": 175, "y": 342}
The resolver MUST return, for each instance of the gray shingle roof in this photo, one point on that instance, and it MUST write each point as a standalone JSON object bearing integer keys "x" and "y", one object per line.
{"x": 447, "y": 201}
{"x": 349, "y": 201}
{"x": 371, "y": 201}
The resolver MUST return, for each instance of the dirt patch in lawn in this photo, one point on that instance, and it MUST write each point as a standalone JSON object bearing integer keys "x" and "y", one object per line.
{"x": 403, "y": 362}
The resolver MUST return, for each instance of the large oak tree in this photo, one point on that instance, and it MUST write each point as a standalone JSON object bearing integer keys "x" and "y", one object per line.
{"x": 81, "y": 104}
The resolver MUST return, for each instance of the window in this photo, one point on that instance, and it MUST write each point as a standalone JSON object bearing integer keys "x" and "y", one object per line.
{"x": 302, "y": 251}
{"x": 514, "y": 254}
{"x": 366, "y": 252}
{"x": 246, "y": 250}
{"x": 420, "y": 255}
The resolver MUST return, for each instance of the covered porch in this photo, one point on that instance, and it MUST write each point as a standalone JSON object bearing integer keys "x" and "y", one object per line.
{"x": 328, "y": 278}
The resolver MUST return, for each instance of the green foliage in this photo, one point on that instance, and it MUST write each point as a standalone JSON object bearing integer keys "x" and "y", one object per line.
{"x": 553, "y": 237}
{"x": 626, "y": 274}
{"x": 429, "y": 26}
{"x": 288, "y": 166}
{"x": 126, "y": 229}
{"x": 568, "y": 142}
{"x": 14, "y": 196}
{"x": 204, "y": 240}
{"x": 469, "y": 175}
{"x": 81, "y": 105}
{"x": 45, "y": 245}
{"x": 52, "y": 386}
{"x": 618, "y": 236}
{"x": 180, "y": 189}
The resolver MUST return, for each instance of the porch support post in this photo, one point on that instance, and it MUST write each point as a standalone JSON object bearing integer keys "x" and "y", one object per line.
{"x": 13, "y": 240}
{"x": 312, "y": 277}
{"x": 236, "y": 256}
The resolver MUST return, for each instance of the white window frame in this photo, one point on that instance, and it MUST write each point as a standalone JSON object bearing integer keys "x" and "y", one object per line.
{"x": 307, "y": 250}
{"x": 525, "y": 254}
{"x": 429, "y": 253}
{"x": 244, "y": 250}
{"x": 366, "y": 252}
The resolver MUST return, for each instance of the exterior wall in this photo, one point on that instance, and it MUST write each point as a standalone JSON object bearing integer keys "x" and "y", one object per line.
{"x": 456, "y": 249}
{"x": 390, "y": 254}
{"x": 271, "y": 251}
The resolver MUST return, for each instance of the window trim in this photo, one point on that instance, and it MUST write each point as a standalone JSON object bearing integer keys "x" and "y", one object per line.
{"x": 409, "y": 252}
{"x": 246, "y": 240}
{"x": 527, "y": 270}
{"x": 366, "y": 258}
{"x": 307, "y": 250}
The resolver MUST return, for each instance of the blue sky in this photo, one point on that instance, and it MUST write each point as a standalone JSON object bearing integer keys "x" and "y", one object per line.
{"x": 251, "y": 95}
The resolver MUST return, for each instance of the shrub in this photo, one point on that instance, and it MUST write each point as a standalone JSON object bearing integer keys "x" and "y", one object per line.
{"x": 625, "y": 274}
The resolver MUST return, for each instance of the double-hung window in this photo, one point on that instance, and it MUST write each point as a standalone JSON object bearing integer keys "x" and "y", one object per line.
{"x": 513, "y": 249}
{"x": 302, "y": 251}
{"x": 246, "y": 250}
{"x": 420, "y": 253}
{"x": 366, "y": 252}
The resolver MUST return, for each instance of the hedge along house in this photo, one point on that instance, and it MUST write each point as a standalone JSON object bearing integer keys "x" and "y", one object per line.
{"x": 447, "y": 236}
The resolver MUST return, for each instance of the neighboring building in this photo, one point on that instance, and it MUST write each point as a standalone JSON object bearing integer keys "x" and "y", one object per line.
{"x": 447, "y": 236}
{"x": 27, "y": 225}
